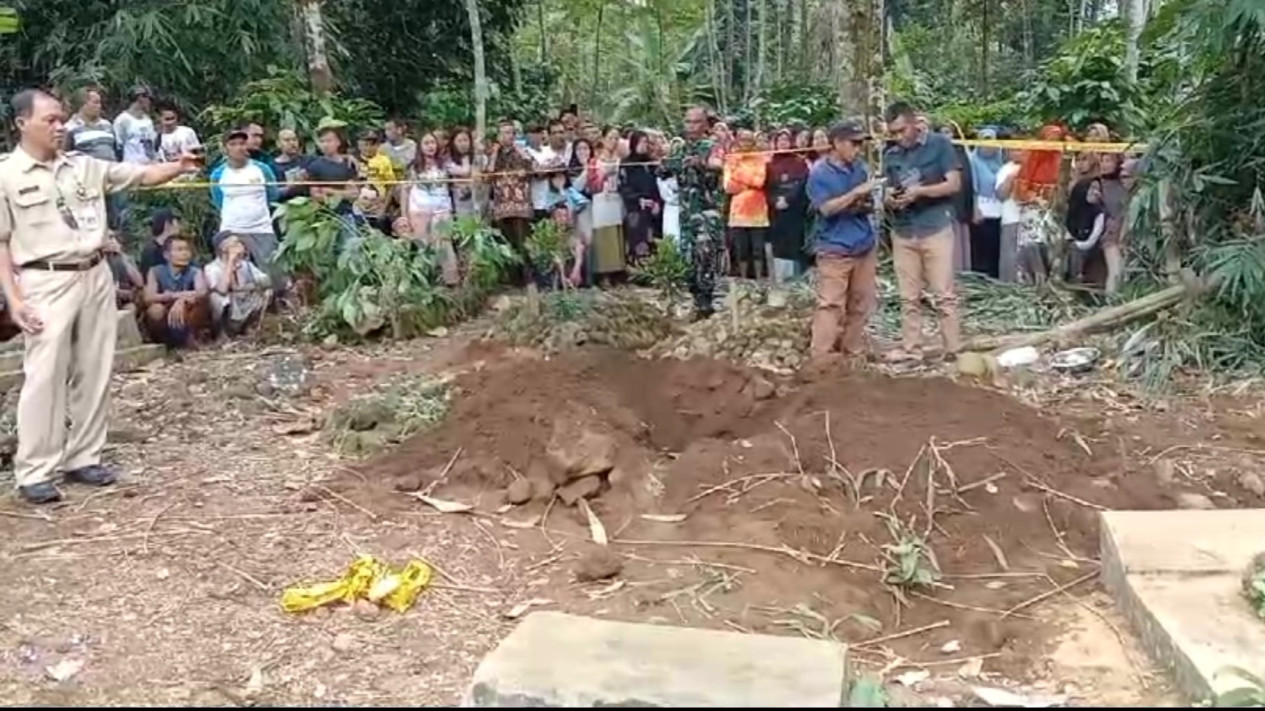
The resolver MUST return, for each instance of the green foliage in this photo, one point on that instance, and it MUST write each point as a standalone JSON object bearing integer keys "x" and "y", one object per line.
{"x": 666, "y": 270}
{"x": 1250, "y": 695}
{"x": 968, "y": 115}
{"x": 367, "y": 281}
{"x": 389, "y": 51}
{"x": 486, "y": 255}
{"x": 910, "y": 563}
{"x": 195, "y": 52}
{"x": 782, "y": 104}
{"x": 283, "y": 99}
{"x": 548, "y": 247}
{"x": 1085, "y": 82}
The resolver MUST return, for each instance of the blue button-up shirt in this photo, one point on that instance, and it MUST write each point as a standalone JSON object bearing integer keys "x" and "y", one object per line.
{"x": 848, "y": 233}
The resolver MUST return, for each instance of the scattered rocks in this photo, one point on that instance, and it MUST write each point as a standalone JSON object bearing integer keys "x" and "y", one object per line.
{"x": 343, "y": 643}
{"x": 410, "y": 482}
{"x": 289, "y": 374}
{"x": 587, "y": 453}
{"x": 1188, "y": 500}
{"x": 519, "y": 492}
{"x": 1252, "y": 482}
{"x": 365, "y": 610}
{"x": 599, "y": 563}
{"x": 585, "y": 488}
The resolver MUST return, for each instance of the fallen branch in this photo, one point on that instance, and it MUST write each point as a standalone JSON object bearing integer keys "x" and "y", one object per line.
{"x": 1049, "y": 593}
{"x": 1105, "y": 320}
{"x": 801, "y": 556}
{"x": 902, "y": 635}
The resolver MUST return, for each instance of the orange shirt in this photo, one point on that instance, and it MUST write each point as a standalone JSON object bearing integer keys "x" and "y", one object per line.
{"x": 744, "y": 180}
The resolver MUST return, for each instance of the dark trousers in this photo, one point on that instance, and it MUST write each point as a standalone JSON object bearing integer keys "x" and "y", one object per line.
{"x": 515, "y": 231}
{"x": 986, "y": 247}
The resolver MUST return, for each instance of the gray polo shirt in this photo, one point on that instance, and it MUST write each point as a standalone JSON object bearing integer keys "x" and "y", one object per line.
{"x": 925, "y": 163}
{"x": 95, "y": 139}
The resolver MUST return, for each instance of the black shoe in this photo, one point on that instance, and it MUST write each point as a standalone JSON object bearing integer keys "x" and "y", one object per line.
{"x": 41, "y": 493}
{"x": 93, "y": 475}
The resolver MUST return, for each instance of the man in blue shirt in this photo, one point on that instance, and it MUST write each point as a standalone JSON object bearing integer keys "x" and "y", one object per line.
{"x": 841, "y": 192}
{"x": 923, "y": 176}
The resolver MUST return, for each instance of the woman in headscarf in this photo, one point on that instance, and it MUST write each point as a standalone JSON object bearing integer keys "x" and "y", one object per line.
{"x": 963, "y": 202}
{"x": 786, "y": 180}
{"x": 986, "y": 163}
{"x": 643, "y": 206}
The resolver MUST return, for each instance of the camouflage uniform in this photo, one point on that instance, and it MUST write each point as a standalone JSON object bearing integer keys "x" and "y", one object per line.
{"x": 701, "y": 228}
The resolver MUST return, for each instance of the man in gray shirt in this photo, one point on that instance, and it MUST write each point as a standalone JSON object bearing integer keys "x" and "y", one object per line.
{"x": 86, "y": 131}
{"x": 923, "y": 175}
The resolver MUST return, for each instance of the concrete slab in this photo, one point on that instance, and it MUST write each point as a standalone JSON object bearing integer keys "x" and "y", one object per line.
{"x": 1177, "y": 577}
{"x": 554, "y": 659}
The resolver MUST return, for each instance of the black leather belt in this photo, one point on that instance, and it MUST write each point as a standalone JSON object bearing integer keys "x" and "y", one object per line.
{"x": 46, "y": 266}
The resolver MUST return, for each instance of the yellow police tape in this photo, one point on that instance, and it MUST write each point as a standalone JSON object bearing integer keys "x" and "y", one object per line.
{"x": 1058, "y": 146}
{"x": 367, "y": 578}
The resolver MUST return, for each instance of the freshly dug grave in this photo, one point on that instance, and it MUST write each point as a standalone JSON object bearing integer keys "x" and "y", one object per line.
{"x": 727, "y": 473}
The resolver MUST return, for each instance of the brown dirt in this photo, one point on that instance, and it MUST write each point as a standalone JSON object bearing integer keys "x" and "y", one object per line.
{"x": 685, "y": 428}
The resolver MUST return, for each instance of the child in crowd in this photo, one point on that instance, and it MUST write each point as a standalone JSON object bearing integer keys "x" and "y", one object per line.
{"x": 376, "y": 167}
{"x": 163, "y": 225}
{"x": 239, "y": 291}
{"x": 176, "y": 292}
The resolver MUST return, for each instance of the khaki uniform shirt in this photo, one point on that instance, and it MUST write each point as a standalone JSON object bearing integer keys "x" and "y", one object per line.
{"x": 56, "y": 211}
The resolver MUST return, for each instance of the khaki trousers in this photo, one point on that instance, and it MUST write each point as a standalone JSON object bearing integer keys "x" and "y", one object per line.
{"x": 846, "y": 289}
{"x": 66, "y": 366}
{"x": 927, "y": 263}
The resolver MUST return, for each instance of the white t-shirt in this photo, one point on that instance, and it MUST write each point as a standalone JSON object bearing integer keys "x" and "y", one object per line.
{"x": 546, "y": 157}
{"x": 430, "y": 194}
{"x": 172, "y": 145}
{"x": 137, "y": 136}
{"x": 244, "y": 202}
{"x": 1010, "y": 206}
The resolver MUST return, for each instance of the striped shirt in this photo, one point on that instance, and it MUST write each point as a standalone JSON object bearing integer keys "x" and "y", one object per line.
{"x": 95, "y": 139}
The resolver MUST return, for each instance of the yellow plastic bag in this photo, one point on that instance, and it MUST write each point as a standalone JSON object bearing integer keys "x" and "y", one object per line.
{"x": 367, "y": 578}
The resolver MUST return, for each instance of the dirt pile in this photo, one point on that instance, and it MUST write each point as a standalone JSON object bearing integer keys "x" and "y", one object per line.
{"x": 851, "y": 492}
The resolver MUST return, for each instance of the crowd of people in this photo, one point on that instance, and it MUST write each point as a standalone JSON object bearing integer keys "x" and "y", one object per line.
{"x": 738, "y": 201}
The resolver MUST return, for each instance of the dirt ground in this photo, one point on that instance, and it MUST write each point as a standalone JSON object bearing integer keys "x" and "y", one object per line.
{"x": 717, "y": 492}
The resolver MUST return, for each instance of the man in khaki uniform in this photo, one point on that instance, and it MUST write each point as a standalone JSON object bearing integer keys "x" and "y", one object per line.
{"x": 58, "y": 289}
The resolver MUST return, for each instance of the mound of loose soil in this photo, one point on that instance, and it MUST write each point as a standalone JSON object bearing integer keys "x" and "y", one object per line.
{"x": 765, "y": 487}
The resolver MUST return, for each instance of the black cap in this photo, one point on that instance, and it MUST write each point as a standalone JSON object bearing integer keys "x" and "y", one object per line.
{"x": 137, "y": 92}
{"x": 236, "y": 133}
{"x": 848, "y": 130}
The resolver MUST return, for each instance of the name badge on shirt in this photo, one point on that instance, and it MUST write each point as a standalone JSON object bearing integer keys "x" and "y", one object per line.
{"x": 88, "y": 218}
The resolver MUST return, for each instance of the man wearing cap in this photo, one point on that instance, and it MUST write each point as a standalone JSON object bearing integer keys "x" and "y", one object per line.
{"x": 134, "y": 129}
{"x": 61, "y": 293}
{"x": 923, "y": 176}
{"x": 243, "y": 190}
{"x": 841, "y": 191}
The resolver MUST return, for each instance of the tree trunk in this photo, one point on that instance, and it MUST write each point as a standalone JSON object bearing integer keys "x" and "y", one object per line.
{"x": 984, "y": 33}
{"x": 1136, "y": 12}
{"x": 317, "y": 56}
{"x": 803, "y": 40}
{"x": 597, "y": 54}
{"x": 748, "y": 72}
{"x": 715, "y": 59}
{"x": 480, "y": 71}
{"x": 763, "y": 47}
{"x": 540, "y": 20}
{"x": 1105, "y": 320}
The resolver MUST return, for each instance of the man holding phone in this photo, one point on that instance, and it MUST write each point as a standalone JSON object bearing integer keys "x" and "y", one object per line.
{"x": 923, "y": 176}
{"x": 841, "y": 191}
